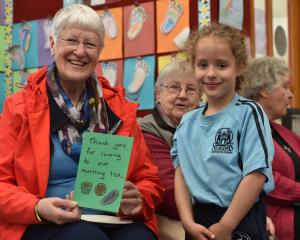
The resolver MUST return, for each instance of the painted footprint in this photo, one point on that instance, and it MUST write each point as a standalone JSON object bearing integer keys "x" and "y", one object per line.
{"x": 17, "y": 54}
{"x": 174, "y": 11}
{"x": 109, "y": 70}
{"x": 141, "y": 71}
{"x": 110, "y": 24}
{"x": 225, "y": 11}
{"x": 25, "y": 36}
{"x": 137, "y": 18}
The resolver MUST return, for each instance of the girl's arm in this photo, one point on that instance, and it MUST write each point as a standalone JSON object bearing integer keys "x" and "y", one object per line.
{"x": 184, "y": 206}
{"x": 243, "y": 199}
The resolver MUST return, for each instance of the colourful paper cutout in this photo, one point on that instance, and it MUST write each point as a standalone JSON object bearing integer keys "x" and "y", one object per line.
{"x": 8, "y": 42}
{"x": 181, "y": 38}
{"x": 113, "y": 46}
{"x": 260, "y": 32}
{"x": 2, "y": 49}
{"x": 171, "y": 16}
{"x": 110, "y": 24}
{"x": 203, "y": 13}
{"x": 2, "y": 90}
{"x": 141, "y": 72}
{"x": 102, "y": 171}
{"x": 165, "y": 42}
{"x": 25, "y": 36}
{"x": 2, "y": 12}
{"x": 44, "y": 54}
{"x": 110, "y": 74}
{"x": 139, "y": 81}
{"x": 144, "y": 43}
{"x": 137, "y": 17}
{"x": 231, "y": 13}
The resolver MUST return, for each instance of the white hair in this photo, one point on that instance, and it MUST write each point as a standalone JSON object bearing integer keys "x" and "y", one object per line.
{"x": 176, "y": 69}
{"x": 78, "y": 15}
{"x": 263, "y": 73}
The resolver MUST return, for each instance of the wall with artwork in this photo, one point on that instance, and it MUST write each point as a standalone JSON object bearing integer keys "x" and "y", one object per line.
{"x": 141, "y": 37}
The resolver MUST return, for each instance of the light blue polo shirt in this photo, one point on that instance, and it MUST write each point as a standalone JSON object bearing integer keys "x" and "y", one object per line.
{"x": 215, "y": 152}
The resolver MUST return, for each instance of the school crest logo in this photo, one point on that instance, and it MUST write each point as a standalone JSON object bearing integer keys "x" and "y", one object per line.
{"x": 223, "y": 141}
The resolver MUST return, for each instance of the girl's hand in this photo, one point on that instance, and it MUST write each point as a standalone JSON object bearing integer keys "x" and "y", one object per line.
{"x": 131, "y": 203}
{"x": 58, "y": 210}
{"x": 270, "y": 229}
{"x": 221, "y": 232}
{"x": 199, "y": 232}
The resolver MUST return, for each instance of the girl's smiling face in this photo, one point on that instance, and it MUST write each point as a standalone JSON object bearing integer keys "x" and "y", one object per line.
{"x": 216, "y": 70}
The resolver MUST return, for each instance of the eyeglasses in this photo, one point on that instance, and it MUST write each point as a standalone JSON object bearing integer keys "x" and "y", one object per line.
{"x": 73, "y": 42}
{"x": 176, "y": 89}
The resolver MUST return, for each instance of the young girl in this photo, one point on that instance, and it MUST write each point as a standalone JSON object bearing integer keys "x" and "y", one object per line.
{"x": 223, "y": 150}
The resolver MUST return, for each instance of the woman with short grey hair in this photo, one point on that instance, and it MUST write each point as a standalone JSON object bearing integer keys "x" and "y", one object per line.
{"x": 41, "y": 134}
{"x": 77, "y": 15}
{"x": 176, "y": 93}
{"x": 263, "y": 73}
{"x": 267, "y": 81}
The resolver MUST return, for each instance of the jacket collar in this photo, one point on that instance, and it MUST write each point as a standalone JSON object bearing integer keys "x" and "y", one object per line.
{"x": 289, "y": 137}
{"x": 36, "y": 102}
{"x": 160, "y": 122}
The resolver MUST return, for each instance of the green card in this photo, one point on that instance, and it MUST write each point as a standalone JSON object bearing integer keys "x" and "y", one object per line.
{"x": 102, "y": 171}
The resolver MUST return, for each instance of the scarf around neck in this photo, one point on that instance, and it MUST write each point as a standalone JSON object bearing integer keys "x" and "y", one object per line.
{"x": 89, "y": 115}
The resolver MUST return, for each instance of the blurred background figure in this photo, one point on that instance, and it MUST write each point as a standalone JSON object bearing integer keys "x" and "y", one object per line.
{"x": 267, "y": 82}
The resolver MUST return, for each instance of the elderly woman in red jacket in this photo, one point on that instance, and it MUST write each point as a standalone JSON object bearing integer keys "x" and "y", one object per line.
{"x": 41, "y": 131}
{"x": 267, "y": 82}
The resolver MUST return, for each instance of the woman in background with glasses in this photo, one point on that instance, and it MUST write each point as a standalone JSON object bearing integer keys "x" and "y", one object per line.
{"x": 41, "y": 137}
{"x": 176, "y": 93}
{"x": 268, "y": 83}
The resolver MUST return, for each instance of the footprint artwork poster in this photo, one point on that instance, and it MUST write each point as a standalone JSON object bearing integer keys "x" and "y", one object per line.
{"x": 102, "y": 171}
{"x": 139, "y": 81}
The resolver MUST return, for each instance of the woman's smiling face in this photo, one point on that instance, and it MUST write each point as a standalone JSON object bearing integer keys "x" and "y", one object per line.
{"x": 178, "y": 96}
{"x": 76, "y": 53}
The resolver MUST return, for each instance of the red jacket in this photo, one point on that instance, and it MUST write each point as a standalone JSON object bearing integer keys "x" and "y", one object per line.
{"x": 161, "y": 156}
{"x": 287, "y": 190}
{"x": 25, "y": 155}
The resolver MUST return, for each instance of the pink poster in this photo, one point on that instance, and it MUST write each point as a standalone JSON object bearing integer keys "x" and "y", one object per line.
{"x": 139, "y": 29}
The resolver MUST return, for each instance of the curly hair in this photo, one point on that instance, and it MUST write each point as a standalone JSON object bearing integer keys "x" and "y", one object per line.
{"x": 263, "y": 73}
{"x": 232, "y": 36}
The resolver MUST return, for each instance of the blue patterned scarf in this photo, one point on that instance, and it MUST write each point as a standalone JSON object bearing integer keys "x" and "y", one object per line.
{"x": 89, "y": 115}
